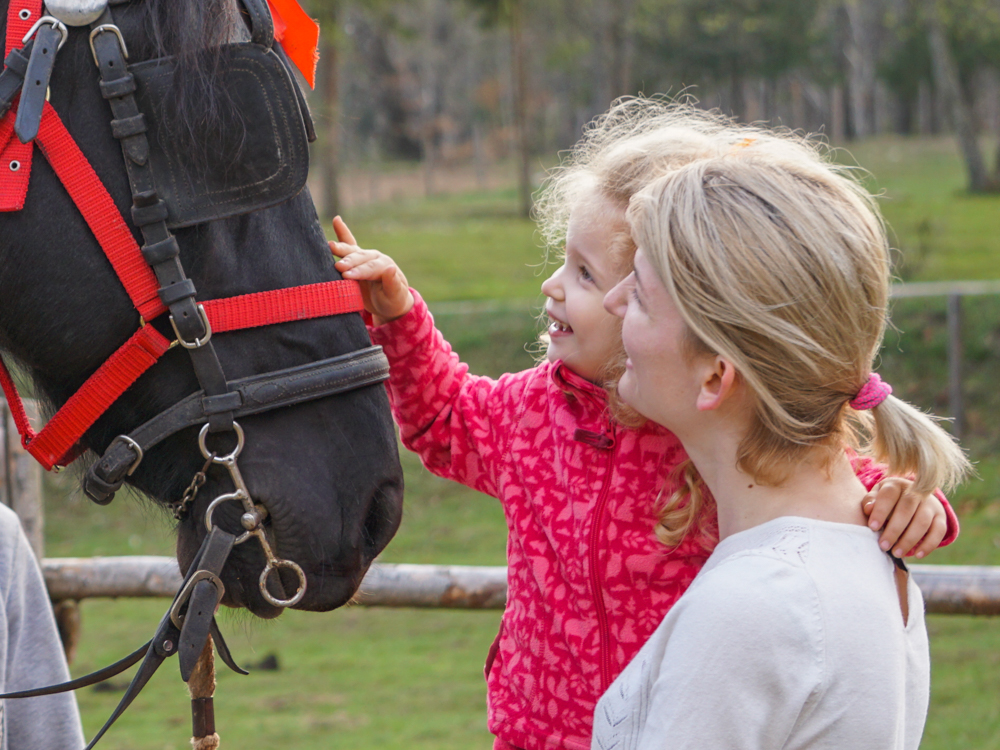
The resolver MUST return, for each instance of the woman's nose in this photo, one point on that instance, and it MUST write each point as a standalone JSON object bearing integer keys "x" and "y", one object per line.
{"x": 616, "y": 300}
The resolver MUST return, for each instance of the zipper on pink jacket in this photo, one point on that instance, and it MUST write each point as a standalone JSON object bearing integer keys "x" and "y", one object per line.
{"x": 609, "y": 443}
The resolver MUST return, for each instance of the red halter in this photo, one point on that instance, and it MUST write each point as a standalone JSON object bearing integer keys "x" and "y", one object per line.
{"x": 58, "y": 443}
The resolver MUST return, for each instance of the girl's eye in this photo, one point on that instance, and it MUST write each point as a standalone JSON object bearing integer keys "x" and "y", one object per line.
{"x": 585, "y": 274}
{"x": 633, "y": 294}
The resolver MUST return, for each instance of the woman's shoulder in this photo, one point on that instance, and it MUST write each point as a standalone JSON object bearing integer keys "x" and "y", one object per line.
{"x": 795, "y": 565}
{"x": 760, "y": 582}
{"x": 10, "y": 527}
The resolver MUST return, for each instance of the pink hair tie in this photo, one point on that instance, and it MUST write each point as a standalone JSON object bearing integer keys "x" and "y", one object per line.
{"x": 872, "y": 393}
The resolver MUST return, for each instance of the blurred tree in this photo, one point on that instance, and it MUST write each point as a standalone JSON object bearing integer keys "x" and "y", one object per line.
{"x": 729, "y": 41}
{"x": 382, "y": 109}
{"x": 327, "y": 12}
{"x": 962, "y": 37}
{"x": 511, "y": 13}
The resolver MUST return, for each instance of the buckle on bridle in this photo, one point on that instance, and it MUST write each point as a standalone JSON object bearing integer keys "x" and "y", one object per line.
{"x": 136, "y": 448}
{"x": 55, "y": 23}
{"x": 197, "y": 343}
{"x": 111, "y": 28}
{"x": 185, "y": 593}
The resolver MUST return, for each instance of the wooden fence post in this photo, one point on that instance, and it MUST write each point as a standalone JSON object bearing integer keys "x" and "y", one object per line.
{"x": 4, "y": 484}
{"x": 24, "y": 483}
{"x": 956, "y": 400}
{"x": 21, "y": 490}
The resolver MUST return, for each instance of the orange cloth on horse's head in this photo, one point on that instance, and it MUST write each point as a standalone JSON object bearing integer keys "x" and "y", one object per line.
{"x": 298, "y": 34}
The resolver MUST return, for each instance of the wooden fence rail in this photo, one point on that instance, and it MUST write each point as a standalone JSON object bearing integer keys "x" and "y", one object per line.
{"x": 947, "y": 589}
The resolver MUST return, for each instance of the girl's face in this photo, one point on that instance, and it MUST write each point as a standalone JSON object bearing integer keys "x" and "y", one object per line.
{"x": 661, "y": 380}
{"x": 581, "y": 332}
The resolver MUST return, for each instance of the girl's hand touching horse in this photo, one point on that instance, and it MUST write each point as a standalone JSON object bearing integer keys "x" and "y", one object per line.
{"x": 386, "y": 294}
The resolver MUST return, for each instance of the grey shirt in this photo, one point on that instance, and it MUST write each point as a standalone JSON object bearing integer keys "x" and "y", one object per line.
{"x": 31, "y": 654}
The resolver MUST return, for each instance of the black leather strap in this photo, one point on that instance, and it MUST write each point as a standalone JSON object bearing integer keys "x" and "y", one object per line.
{"x": 258, "y": 394}
{"x": 176, "y": 290}
{"x": 12, "y": 76}
{"x": 36, "y": 82}
{"x": 202, "y": 601}
{"x": 300, "y": 97}
{"x": 86, "y": 680}
{"x": 261, "y": 24}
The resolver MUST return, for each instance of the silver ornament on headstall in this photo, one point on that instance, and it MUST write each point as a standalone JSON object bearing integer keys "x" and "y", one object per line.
{"x": 76, "y": 12}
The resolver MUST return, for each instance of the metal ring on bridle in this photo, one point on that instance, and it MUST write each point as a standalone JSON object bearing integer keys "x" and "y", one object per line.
{"x": 238, "y": 496}
{"x": 274, "y": 565}
{"x": 240, "y": 440}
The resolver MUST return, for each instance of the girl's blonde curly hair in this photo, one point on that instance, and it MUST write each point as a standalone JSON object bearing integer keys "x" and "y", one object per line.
{"x": 621, "y": 152}
{"x": 777, "y": 258}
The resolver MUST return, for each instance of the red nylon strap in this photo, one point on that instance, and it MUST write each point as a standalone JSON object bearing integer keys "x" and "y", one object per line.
{"x": 100, "y": 212}
{"x": 17, "y": 27}
{"x": 58, "y": 438}
{"x": 284, "y": 305}
{"x": 57, "y": 443}
{"x": 14, "y": 182}
{"x": 15, "y": 165}
{"x": 54, "y": 445}
{"x": 16, "y": 405}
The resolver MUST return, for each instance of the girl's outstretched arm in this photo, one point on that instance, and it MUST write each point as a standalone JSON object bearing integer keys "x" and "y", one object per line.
{"x": 453, "y": 420}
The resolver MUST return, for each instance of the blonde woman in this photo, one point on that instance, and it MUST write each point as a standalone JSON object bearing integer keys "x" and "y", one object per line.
{"x": 751, "y": 323}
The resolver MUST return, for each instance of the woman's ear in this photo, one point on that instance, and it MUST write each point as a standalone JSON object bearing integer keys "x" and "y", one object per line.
{"x": 718, "y": 384}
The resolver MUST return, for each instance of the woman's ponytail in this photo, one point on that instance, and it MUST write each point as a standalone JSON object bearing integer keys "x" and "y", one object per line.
{"x": 911, "y": 442}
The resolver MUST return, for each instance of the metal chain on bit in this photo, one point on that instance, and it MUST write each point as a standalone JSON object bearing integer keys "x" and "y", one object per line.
{"x": 180, "y": 507}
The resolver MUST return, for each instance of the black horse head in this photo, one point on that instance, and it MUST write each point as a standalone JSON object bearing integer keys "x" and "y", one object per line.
{"x": 327, "y": 470}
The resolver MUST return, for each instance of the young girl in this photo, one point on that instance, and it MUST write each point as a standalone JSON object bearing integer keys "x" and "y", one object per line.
{"x": 588, "y": 580}
{"x": 751, "y": 321}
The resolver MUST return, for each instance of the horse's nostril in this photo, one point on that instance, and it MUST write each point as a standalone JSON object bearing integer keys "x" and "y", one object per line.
{"x": 382, "y": 518}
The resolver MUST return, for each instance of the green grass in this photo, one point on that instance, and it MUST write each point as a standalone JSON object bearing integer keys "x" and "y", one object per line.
{"x": 944, "y": 233}
{"x": 471, "y": 247}
{"x": 379, "y": 678}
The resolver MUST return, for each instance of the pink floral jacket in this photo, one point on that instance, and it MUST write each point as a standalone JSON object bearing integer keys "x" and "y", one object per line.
{"x": 588, "y": 581}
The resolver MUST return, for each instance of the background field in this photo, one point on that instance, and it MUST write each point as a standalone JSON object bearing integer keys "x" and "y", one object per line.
{"x": 360, "y": 678}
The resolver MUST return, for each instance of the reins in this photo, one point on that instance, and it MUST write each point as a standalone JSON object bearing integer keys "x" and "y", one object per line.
{"x": 157, "y": 284}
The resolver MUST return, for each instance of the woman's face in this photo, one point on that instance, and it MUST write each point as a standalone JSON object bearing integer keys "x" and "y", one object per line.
{"x": 661, "y": 380}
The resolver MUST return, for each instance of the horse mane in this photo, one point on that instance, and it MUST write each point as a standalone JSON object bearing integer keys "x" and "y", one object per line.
{"x": 193, "y": 32}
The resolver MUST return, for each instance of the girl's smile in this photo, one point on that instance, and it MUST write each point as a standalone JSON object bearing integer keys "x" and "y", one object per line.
{"x": 581, "y": 332}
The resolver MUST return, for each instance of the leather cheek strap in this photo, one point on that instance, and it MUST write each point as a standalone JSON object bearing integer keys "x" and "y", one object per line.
{"x": 256, "y": 394}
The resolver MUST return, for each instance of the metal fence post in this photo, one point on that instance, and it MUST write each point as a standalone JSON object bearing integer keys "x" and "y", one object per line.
{"x": 956, "y": 400}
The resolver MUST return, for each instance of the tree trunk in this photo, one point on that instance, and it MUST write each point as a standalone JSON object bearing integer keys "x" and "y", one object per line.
{"x": 861, "y": 53}
{"x": 624, "y": 47}
{"x": 330, "y": 164}
{"x": 519, "y": 80}
{"x": 948, "y": 83}
{"x": 838, "y": 125}
{"x": 737, "y": 97}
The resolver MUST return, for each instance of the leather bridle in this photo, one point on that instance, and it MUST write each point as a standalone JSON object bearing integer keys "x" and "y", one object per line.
{"x": 157, "y": 284}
